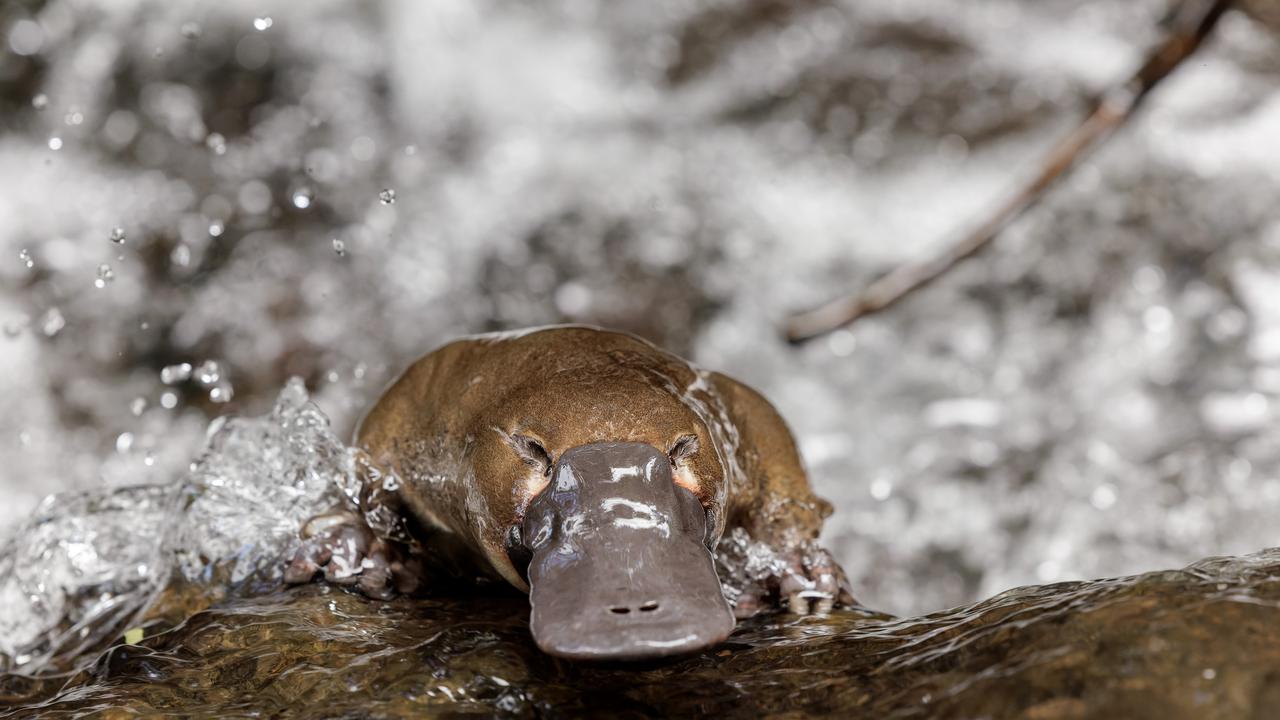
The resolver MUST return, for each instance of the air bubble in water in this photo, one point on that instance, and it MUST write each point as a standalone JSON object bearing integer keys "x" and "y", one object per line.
{"x": 339, "y": 247}
{"x": 262, "y": 23}
{"x": 137, "y": 406}
{"x": 25, "y": 256}
{"x": 124, "y": 442}
{"x": 172, "y": 374}
{"x": 40, "y": 101}
{"x": 181, "y": 255}
{"x": 55, "y": 143}
{"x": 387, "y": 196}
{"x": 52, "y": 322}
{"x": 117, "y": 235}
{"x": 190, "y": 30}
{"x": 302, "y": 198}
{"x": 217, "y": 143}
{"x": 215, "y": 229}
{"x": 105, "y": 276}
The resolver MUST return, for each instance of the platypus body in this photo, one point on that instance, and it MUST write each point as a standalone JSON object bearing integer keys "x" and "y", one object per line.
{"x": 640, "y": 501}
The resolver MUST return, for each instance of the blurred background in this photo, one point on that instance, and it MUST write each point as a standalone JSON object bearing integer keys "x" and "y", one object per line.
{"x": 199, "y": 200}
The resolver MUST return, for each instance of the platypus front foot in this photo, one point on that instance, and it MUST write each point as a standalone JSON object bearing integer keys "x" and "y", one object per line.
{"x": 766, "y": 575}
{"x": 345, "y": 548}
{"x": 814, "y": 583}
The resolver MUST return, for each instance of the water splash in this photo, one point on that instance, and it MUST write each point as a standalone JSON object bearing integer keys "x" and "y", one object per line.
{"x": 88, "y": 563}
{"x": 176, "y": 373}
{"x": 105, "y": 276}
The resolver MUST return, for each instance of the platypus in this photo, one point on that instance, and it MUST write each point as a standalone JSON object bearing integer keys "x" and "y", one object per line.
{"x": 643, "y": 503}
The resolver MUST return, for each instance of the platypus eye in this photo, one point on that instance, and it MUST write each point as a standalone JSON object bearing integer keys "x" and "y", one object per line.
{"x": 682, "y": 449}
{"x": 532, "y": 452}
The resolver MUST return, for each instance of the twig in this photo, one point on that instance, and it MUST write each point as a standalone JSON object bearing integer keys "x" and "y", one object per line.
{"x": 1190, "y": 25}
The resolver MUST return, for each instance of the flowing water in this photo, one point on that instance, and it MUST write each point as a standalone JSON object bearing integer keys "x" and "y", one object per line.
{"x": 1197, "y": 643}
{"x": 199, "y": 201}
{"x": 166, "y": 599}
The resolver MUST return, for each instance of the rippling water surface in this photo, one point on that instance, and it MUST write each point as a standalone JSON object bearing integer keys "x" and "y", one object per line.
{"x": 1200, "y": 642}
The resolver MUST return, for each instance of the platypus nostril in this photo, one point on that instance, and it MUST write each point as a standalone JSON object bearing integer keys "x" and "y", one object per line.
{"x": 649, "y": 606}
{"x": 620, "y": 610}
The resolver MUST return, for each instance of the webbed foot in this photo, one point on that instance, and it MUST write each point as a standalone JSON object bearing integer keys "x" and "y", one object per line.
{"x": 797, "y": 575}
{"x": 814, "y": 583}
{"x": 342, "y": 545}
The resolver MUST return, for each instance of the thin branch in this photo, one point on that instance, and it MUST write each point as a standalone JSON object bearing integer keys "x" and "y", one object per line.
{"x": 1191, "y": 24}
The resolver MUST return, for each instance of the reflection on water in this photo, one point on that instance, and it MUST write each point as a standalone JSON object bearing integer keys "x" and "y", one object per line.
{"x": 1197, "y": 643}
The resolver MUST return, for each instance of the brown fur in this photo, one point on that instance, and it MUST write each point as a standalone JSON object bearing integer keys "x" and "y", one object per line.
{"x": 444, "y": 428}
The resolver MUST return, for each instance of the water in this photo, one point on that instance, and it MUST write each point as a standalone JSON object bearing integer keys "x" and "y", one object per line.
{"x": 168, "y": 598}
{"x": 90, "y": 563}
{"x": 1197, "y": 643}
{"x": 1094, "y": 397}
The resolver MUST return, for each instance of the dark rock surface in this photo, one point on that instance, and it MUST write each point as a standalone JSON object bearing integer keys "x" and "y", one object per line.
{"x": 1203, "y": 642}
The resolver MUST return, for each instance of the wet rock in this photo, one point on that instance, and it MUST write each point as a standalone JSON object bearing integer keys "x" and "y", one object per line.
{"x": 1195, "y": 643}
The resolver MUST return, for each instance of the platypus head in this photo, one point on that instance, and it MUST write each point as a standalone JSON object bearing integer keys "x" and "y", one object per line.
{"x": 619, "y": 566}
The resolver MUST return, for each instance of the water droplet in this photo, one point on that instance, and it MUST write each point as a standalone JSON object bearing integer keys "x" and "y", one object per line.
{"x": 117, "y": 235}
{"x": 169, "y": 400}
{"x": 302, "y": 198}
{"x": 172, "y": 374}
{"x": 190, "y": 30}
{"x": 55, "y": 143}
{"x": 217, "y": 143}
{"x": 105, "y": 276}
{"x": 137, "y": 406}
{"x": 208, "y": 373}
{"x": 52, "y": 322}
{"x": 1103, "y": 496}
{"x": 881, "y": 489}
{"x": 339, "y": 247}
{"x": 222, "y": 393}
{"x": 181, "y": 255}
{"x": 387, "y": 196}
{"x": 25, "y": 256}
{"x": 40, "y": 101}
{"x": 215, "y": 229}
{"x": 262, "y": 23}
{"x": 124, "y": 442}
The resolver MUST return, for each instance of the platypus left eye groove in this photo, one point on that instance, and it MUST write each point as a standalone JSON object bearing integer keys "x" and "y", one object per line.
{"x": 682, "y": 449}
{"x": 532, "y": 452}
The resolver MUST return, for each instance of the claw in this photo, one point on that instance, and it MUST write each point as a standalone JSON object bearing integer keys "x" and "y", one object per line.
{"x": 815, "y": 584}
{"x": 345, "y": 549}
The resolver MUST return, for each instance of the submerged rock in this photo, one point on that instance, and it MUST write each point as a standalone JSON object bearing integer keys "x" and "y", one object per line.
{"x": 1203, "y": 642}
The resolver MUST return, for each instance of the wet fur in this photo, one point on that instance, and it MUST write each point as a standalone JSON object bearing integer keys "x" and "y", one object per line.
{"x": 455, "y": 429}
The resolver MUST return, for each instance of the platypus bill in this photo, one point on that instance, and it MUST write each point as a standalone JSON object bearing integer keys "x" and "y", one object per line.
{"x": 598, "y": 473}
